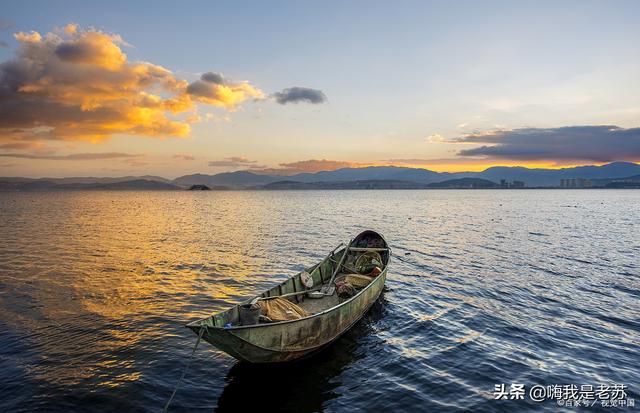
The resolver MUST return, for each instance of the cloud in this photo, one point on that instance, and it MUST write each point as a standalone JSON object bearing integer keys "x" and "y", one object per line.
{"x": 214, "y": 89}
{"x": 300, "y": 94}
{"x": 194, "y": 118}
{"x": 234, "y": 162}
{"x": 21, "y": 146}
{"x": 422, "y": 161}
{"x": 91, "y": 156}
{"x": 184, "y": 157}
{"x": 78, "y": 84}
{"x": 215, "y": 78}
{"x": 315, "y": 165}
{"x": 134, "y": 162}
{"x": 602, "y": 143}
{"x": 435, "y": 138}
{"x": 310, "y": 165}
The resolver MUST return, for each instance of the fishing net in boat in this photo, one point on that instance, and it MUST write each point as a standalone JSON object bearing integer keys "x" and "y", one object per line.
{"x": 368, "y": 261}
{"x": 281, "y": 309}
{"x": 345, "y": 290}
{"x": 356, "y": 280}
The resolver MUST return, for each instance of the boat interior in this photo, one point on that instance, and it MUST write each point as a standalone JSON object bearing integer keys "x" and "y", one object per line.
{"x": 325, "y": 285}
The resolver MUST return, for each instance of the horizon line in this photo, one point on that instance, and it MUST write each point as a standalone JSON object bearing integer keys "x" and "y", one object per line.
{"x": 294, "y": 173}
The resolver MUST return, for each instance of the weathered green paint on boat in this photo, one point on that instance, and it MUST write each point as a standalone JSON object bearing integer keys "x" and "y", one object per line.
{"x": 294, "y": 339}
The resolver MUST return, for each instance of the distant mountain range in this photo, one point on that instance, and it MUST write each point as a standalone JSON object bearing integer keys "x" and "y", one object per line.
{"x": 85, "y": 184}
{"x": 531, "y": 177}
{"x": 379, "y": 184}
{"x": 374, "y": 177}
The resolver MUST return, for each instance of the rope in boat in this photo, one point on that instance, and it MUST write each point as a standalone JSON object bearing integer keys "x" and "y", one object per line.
{"x": 186, "y": 368}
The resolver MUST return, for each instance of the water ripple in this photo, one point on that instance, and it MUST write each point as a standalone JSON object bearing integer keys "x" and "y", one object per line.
{"x": 485, "y": 287}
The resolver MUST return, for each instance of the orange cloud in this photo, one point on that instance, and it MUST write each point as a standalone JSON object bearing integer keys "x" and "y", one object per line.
{"x": 310, "y": 165}
{"x": 80, "y": 85}
{"x": 184, "y": 157}
{"x": 235, "y": 162}
{"x": 92, "y": 156}
{"x": 214, "y": 89}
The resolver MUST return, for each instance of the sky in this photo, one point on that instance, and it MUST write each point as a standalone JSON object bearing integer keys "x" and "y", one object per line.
{"x": 173, "y": 88}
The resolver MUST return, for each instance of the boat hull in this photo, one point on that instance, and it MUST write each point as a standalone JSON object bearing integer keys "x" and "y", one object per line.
{"x": 291, "y": 340}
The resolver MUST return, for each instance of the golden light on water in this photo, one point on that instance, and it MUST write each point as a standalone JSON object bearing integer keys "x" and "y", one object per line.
{"x": 110, "y": 266}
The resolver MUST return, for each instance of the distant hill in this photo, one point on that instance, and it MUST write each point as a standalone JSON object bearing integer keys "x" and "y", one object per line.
{"x": 530, "y": 176}
{"x": 464, "y": 183}
{"x": 88, "y": 179}
{"x": 138, "y": 184}
{"x": 624, "y": 182}
{"x": 380, "y": 184}
{"x": 392, "y": 173}
{"x": 623, "y": 185}
{"x": 367, "y": 184}
{"x": 552, "y": 177}
{"x": 374, "y": 177}
{"x": 46, "y": 185}
{"x": 239, "y": 178}
{"x": 606, "y": 181}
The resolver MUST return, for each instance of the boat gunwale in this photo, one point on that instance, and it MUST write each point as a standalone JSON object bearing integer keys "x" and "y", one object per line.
{"x": 310, "y": 350}
{"x": 198, "y": 323}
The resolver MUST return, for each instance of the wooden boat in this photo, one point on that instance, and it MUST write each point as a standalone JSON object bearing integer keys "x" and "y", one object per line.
{"x": 328, "y": 317}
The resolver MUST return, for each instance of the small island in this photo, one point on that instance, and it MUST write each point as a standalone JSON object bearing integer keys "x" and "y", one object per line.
{"x": 199, "y": 187}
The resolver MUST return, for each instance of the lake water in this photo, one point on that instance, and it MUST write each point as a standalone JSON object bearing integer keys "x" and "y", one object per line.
{"x": 485, "y": 287}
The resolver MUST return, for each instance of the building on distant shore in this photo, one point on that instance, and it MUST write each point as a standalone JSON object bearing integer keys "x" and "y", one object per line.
{"x": 514, "y": 184}
{"x": 575, "y": 183}
{"x": 631, "y": 182}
